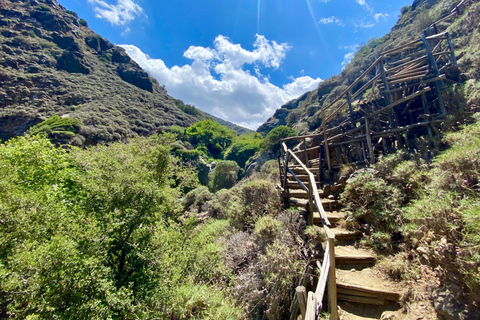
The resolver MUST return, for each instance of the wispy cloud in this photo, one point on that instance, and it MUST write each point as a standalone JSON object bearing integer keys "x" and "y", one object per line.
{"x": 330, "y": 20}
{"x": 377, "y": 16}
{"x": 349, "y": 56}
{"x": 364, "y": 3}
{"x": 323, "y": 1}
{"x": 217, "y": 81}
{"x": 117, "y": 14}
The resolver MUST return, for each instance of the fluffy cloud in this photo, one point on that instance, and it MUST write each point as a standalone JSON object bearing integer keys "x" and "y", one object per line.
{"x": 117, "y": 14}
{"x": 216, "y": 80}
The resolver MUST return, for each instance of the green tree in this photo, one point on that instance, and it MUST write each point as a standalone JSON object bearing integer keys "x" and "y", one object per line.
{"x": 224, "y": 176}
{"x": 273, "y": 139}
{"x": 215, "y": 137}
{"x": 244, "y": 148}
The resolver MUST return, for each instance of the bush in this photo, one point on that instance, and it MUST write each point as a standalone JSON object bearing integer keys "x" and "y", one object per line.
{"x": 244, "y": 148}
{"x": 211, "y": 135}
{"x": 83, "y": 22}
{"x": 255, "y": 199}
{"x": 197, "y": 197}
{"x": 224, "y": 176}
{"x": 273, "y": 141}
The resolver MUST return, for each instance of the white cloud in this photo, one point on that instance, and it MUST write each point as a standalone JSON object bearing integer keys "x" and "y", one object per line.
{"x": 217, "y": 82}
{"x": 117, "y": 14}
{"x": 349, "y": 56}
{"x": 377, "y": 16}
{"x": 329, "y": 20}
{"x": 324, "y": 1}
{"x": 364, "y": 3}
{"x": 125, "y": 32}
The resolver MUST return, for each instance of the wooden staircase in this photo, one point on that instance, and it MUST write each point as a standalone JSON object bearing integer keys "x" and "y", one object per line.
{"x": 358, "y": 282}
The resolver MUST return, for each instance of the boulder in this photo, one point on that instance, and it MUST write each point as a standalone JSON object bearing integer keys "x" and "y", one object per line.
{"x": 72, "y": 62}
{"x": 137, "y": 77}
{"x": 63, "y": 42}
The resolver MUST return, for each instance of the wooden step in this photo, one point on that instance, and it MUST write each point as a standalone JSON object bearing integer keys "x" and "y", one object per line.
{"x": 342, "y": 234}
{"x": 301, "y": 194}
{"x": 350, "y": 256}
{"x": 367, "y": 283}
{"x": 333, "y": 216}
{"x": 299, "y": 203}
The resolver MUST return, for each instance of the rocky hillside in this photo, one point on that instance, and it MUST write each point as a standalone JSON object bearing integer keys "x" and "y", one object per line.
{"x": 303, "y": 112}
{"x": 53, "y": 64}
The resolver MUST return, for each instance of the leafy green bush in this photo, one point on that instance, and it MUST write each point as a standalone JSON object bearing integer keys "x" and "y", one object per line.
{"x": 244, "y": 148}
{"x": 83, "y": 22}
{"x": 224, "y": 176}
{"x": 197, "y": 197}
{"x": 255, "y": 199}
{"x": 272, "y": 140}
{"x": 55, "y": 126}
{"x": 212, "y": 135}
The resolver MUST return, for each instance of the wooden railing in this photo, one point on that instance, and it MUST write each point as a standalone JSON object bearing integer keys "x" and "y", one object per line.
{"x": 310, "y": 305}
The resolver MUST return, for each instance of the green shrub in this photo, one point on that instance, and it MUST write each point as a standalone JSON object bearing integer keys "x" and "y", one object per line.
{"x": 272, "y": 140}
{"x": 56, "y": 125}
{"x": 211, "y": 135}
{"x": 72, "y": 13}
{"x": 197, "y": 197}
{"x": 254, "y": 200}
{"x": 244, "y": 148}
{"x": 224, "y": 176}
{"x": 267, "y": 228}
{"x": 83, "y": 22}
{"x": 372, "y": 200}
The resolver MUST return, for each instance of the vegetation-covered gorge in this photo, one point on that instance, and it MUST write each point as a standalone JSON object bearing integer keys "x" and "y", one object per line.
{"x": 127, "y": 230}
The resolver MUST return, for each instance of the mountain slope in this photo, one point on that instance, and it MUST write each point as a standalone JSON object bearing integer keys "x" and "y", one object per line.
{"x": 53, "y": 64}
{"x": 303, "y": 113}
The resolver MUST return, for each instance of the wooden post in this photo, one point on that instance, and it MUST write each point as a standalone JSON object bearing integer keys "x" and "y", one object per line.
{"x": 438, "y": 84}
{"x": 285, "y": 172}
{"x": 350, "y": 108}
{"x": 332, "y": 280}
{"x": 449, "y": 40}
{"x": 320, "y": 162}
{"x": 305, "y": 153}
{"x": 369, "y": 140}
{"x": 280, "y": 169}
{"x": 301, "y": 293}
{"x": 325, "y": 140}
{"x": 311, "y": 205}
{"x": 426, "y": 111}
{"x": 311, "y": 312}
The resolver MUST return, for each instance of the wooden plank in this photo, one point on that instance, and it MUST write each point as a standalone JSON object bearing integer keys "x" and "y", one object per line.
{"x": 301, "y": 293}
{"x": 452, "y": 51}
{"x": 413, "y": 95}
{"x": 369, "y": 140}
{"x": 322, "y": 281}
{"x": 363, "y": 300}
{"x": 325, "y": 141}
{"x": 311, "y": 312}
{"x": 332, "y": 280}
{"x": 355, "y": 82}
{"x": 367, "y": 292}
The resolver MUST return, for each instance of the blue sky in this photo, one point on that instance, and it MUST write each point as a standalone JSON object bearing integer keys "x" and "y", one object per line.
{"x": 239, "y": 59}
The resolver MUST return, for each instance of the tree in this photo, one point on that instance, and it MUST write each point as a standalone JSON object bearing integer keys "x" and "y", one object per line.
{"x": 224, "y": 176}
{"x": 215, "y": 137}
{"x": 243, "y": 148}
{"x": 273, "y": 139}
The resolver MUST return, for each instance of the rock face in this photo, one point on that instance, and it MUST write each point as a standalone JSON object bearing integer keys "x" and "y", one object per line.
{"x": 53, "y": 65}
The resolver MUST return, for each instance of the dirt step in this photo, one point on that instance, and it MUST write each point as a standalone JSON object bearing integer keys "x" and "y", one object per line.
{"x": 349, "y": 256}
{"x": 342, "y": 234}
{"x": 299, "y": 169}
{"x": 296, "y": 185}
{"x": 367, "y": 286}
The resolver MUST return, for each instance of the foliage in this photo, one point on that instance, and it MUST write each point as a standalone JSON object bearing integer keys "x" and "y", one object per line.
{"x": 57, "y": 126}
{"x": 86, "y": 234}
{"x": 187, "y": 108}
{"x": 210, "y": 134}
{"x": 83, "y": 22}
{"x": 224, "y": 176}
{"x": 243, "y": 148}
{"x": 272, "y": 140}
